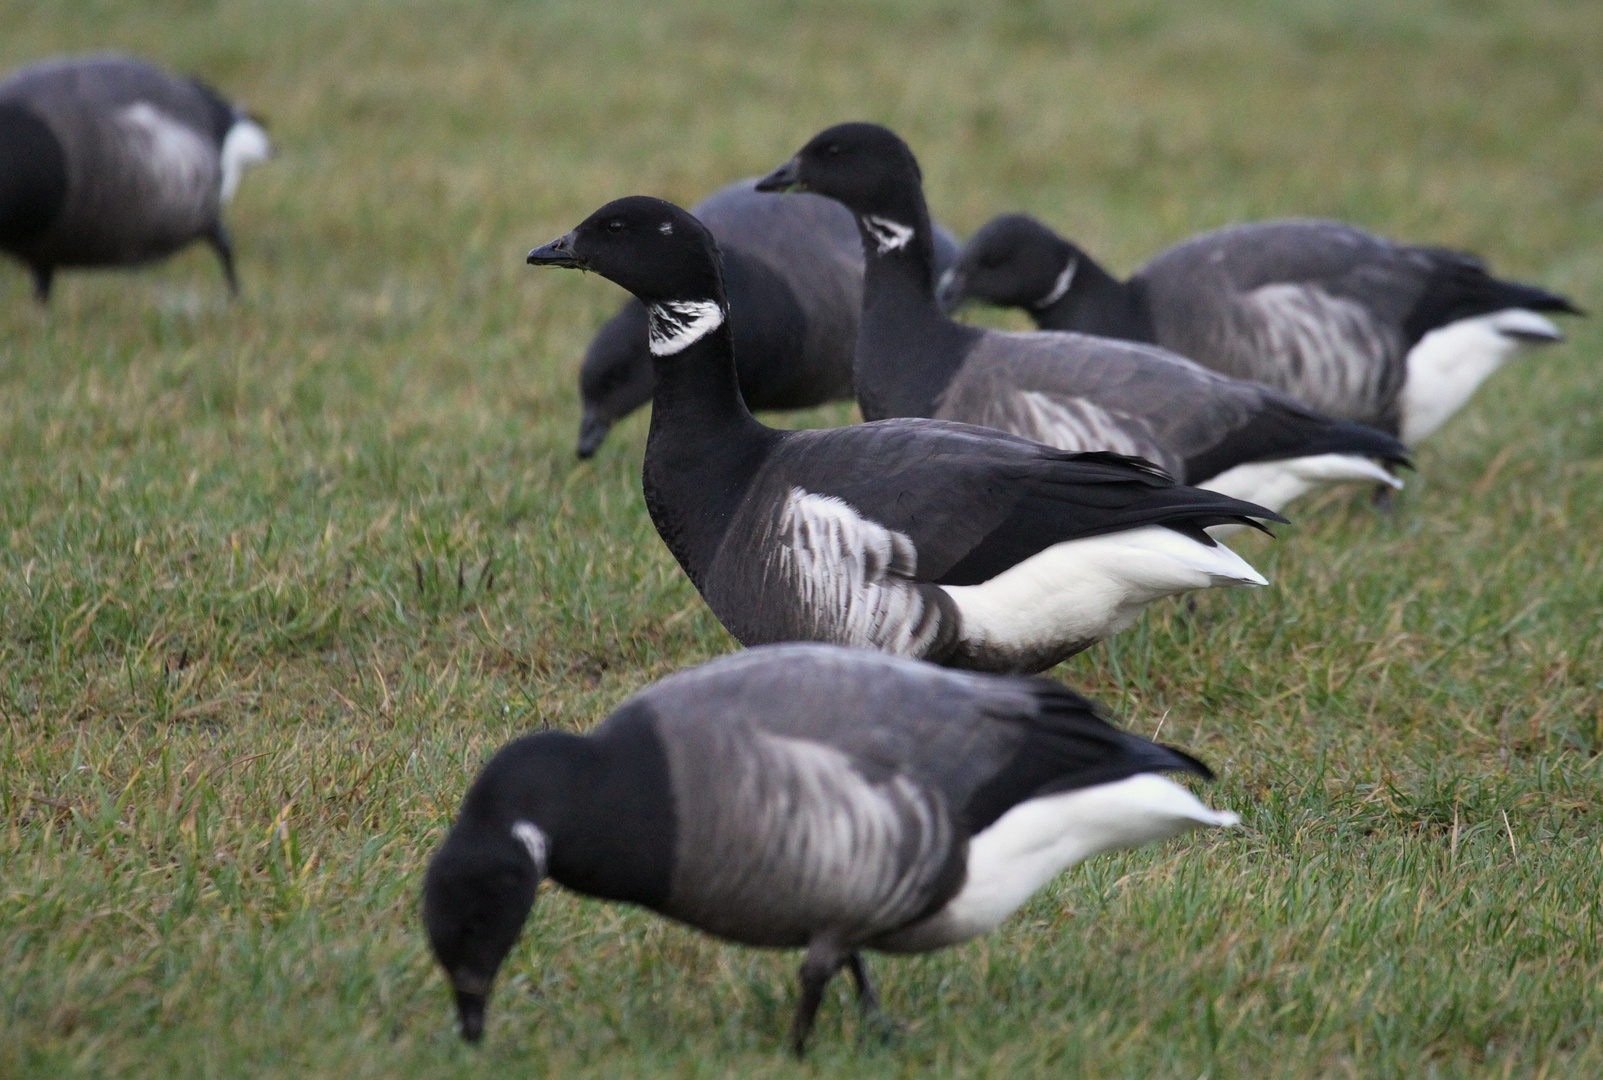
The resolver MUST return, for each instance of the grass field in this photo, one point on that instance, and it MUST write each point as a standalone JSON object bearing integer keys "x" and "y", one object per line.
{"x": 276, "y": 576}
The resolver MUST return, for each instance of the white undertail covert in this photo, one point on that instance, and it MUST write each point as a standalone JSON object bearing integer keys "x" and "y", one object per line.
{"x": 1451, "y": 362}
{"x": 1040, "y": 838}
{"x": 1086, "y": 590}
{"x": 245, "y": 144}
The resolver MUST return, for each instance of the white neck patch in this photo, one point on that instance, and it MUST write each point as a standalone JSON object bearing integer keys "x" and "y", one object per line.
{"x": 530, "y": 836}
{"x": 1059, "y": 287}
{"x": 889, "y": 235}
{"x": 675, "y": 325}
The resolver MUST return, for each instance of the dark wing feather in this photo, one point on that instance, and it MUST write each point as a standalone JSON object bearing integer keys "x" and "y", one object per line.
{"x": 1080, "y": 392}
{"x": 985, "y": 743}
{"x": 1069, "y": 744}
{"x": 1459, "y": 287}
{"x": 975, "y": 502}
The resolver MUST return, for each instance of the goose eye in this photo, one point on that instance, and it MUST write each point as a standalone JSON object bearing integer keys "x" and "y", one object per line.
{"x": 615, "y": 226}
{"x": 833, "y": 149}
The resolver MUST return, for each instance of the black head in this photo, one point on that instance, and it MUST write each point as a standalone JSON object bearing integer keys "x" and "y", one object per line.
{"x": 865, "y": 166}
{"x": 650, "y": 247}
{"x": 1012, "y": 261}
{"x": 481, "y": 883}
{"x": 478, "y": 892}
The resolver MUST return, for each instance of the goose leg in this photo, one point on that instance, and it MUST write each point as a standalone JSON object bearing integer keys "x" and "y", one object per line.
{"x": 874, "y": 1018}
{"x": 42, "y": 277}
{"x": 1382, "y": 499}
{"x": 223, "y": 244}
{"x": 823, "y": 959}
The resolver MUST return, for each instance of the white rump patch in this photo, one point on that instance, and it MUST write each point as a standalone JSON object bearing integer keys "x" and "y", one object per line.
{"x": 1059, "y": 287}
{"x": 1086, "y": 590}
{"x": 245, "y": 144}
{"x": 176, "y": 156}
{"x": 1339, "y": 348}
{"x": 889, "y": 235}
{"x": 1450, "y": 363}
{"x": 533, "y": 841}
{"x": 852, "y": 576}
{"x": 1075, "y": 423}
{"x": 675, "y": 325}
{"x": 1037, "y": 840}
{"x": 1275, "y": 483}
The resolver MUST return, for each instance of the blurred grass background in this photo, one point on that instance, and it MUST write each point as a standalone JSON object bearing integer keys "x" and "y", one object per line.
{"x": 276, "y": 576}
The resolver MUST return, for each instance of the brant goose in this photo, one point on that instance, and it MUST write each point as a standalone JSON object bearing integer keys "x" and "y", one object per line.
{"x": 802, "y": 797}
{"x": 793, "y": 271}
{"x": 1350, "y": 323}
{"x": 1072, "y": 391}
{"x": 941, "y": 541}
{"x": 111, "y": 162}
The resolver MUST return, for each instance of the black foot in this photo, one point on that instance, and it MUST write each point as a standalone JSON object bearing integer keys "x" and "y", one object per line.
{"x": 823, "y": 959}
{"x": 876, "y": 1024}
{"x": 223, "y": 244}
{"x": 43, "y": 277}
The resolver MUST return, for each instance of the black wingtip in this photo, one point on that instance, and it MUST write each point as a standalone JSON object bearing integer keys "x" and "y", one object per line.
{"x": 1184, "y": 762}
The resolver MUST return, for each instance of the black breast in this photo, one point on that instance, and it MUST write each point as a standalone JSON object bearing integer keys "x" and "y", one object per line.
{"x": 33, "y": 178}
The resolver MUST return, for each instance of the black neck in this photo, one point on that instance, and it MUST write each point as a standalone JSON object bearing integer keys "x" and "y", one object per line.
{"x": 1098, "y": 303}
{"x": 702, "y": 450}
{"x": 33, "y": 183}
{"x": 907, "y": 349}
{"x": 605, "y": 807}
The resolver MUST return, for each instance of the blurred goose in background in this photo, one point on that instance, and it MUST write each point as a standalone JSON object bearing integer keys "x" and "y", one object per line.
{"x": 793, "y": 272}
{"x": 111, "y": 162}
{"x": 939, "y": 541}
{"x": 1354, "y": 325}
{"x": 1071, "y": 391}
{"x": 805, "y": 797}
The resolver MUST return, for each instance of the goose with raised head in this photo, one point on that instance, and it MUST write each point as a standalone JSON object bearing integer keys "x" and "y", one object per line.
{"x": 793, "y": 272}
{"x": 1072, "y": 391}
{"x": 802, "y": 797}
{"x": 113, "y": 162}
{"x": 1397, "y": 336}
{"x": 940, "y": 541}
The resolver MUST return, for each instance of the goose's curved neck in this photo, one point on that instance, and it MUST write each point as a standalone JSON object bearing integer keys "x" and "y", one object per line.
{"x": 704, "y": 445}
{"x": 907, "y": 349}
{"x": 1098, "y": 303}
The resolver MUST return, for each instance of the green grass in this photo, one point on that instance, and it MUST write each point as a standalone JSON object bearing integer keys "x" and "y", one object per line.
{"x": 275, "y": 577}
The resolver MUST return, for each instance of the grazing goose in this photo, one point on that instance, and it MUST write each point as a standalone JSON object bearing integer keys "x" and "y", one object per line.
{"x": 111, "y": 162}
{"x": 793, "y": 271}
{"x": 1072, "y": 391}
{"x": 1349, "y": 323}
{"x": 802, "y": 797}
{"x": 940, "y": 541}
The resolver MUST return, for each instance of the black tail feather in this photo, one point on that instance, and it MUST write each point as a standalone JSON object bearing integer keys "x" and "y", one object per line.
{"x": 1071, "y": 745}
{"x": 1460, "y": 288}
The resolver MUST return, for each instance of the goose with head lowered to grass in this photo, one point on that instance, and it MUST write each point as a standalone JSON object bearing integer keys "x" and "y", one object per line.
{"x": 1072, "y": 391}
{"x": 793, "y": 273}
{"x": 109, "y": 161}
{"x": 807, "y": 797}
{"x": 940, "y": 541}
{"x": 1393, "y": 335}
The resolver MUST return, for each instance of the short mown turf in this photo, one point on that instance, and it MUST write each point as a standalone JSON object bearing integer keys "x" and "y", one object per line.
{"x": 276, "y": 576}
